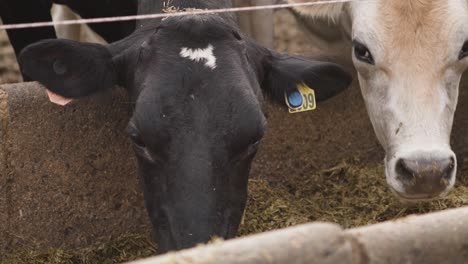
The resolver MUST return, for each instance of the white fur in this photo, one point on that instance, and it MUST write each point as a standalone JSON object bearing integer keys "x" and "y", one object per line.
{"x": 408, "y": 100}
{"x": 411, "y": 107}
{"x": 199, "y": 55}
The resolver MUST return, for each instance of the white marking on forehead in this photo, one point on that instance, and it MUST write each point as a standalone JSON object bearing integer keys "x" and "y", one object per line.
{"x": 198, "y": 55}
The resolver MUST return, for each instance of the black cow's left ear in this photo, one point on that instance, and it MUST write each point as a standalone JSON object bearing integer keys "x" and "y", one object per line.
{"x": 285, "y": 72}
{"x": 69, "y": 68}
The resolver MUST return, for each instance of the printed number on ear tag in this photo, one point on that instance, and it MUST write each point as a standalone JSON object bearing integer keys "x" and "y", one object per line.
{"x": 301, "y": 100}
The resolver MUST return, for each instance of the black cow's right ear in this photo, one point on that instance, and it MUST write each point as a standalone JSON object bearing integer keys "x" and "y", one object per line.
{"x": 285, "y": 72}
{"x": 69, "y": 68}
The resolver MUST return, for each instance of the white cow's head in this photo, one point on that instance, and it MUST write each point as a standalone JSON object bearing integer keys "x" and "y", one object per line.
{"x": 410, "y": 55}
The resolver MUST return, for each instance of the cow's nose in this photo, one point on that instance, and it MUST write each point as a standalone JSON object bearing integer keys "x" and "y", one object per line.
{"x": 425, "y": 178}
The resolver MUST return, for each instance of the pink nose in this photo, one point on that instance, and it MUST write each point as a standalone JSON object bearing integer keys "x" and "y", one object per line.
{"x": 425, "y": 178}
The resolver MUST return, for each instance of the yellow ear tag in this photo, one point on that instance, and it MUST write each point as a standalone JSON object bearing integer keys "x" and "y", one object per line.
{"x": 308, "y": 100}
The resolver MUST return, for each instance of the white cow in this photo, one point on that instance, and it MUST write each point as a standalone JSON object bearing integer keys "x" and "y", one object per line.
{"x": 409, "y": 55}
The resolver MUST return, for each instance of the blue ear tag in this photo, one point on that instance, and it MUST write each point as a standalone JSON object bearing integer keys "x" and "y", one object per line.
{"x": 294, "y": 99}
{"x": 301, "y": 99}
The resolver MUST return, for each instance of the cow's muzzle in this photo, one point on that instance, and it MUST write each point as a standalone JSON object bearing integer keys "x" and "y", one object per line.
{"x": 422, "y": 176}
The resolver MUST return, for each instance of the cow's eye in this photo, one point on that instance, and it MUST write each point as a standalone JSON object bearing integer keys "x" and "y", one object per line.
{"x": 237, "y": 35}
{"x": 464, "y": 51}
{"x": 253, "y": 148}
{"x": 362, "y": 53}
{"x": 135, "y": 136}
{"x": 137, "y": 141}
{"x": 246, "y": 152}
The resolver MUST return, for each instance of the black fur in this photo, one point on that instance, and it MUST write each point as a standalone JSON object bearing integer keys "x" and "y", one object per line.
{"x": 83, "y": 68}
{"x": 287, "y": 71}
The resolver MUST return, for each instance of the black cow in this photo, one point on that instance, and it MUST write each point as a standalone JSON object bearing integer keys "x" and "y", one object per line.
{"x": 197, "y": 120}
{"x": 25, "y": 11}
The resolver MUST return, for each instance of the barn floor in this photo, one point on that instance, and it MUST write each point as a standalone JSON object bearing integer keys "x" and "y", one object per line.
{"x": 345, "y": 186}
{"x": 350, "y": 194}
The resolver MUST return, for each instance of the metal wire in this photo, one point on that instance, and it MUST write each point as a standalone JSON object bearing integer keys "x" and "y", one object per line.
{"x": 166, "y": 15}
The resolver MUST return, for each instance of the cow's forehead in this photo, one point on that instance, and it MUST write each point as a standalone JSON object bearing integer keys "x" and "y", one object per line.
{"x": 430, "y": 30}
{"x": 211, "y": 108}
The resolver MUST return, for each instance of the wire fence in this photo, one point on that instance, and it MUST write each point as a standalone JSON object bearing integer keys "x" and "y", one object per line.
{"x": 166, "y": 15}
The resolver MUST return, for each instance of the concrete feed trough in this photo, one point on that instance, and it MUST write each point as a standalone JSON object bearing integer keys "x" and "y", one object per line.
{"x": 434, "y": 238}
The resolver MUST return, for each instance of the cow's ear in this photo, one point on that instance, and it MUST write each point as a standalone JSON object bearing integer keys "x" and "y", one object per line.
{"x": 68, "y": 68}
{"x": 285, "y": 73}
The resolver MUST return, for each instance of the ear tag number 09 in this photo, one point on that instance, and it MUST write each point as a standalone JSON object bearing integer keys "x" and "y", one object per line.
{"x": 301, "y": 100}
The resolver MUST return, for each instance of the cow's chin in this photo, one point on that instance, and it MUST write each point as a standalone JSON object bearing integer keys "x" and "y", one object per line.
{"x": 416, "y": 200}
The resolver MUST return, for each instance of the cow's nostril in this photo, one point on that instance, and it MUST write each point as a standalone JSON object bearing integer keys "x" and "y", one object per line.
{"x": 447, "y": 168}
{"x": 405, "y": 173}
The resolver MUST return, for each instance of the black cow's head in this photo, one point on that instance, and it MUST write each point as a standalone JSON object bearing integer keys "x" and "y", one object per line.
{"x": 197, "y": 119}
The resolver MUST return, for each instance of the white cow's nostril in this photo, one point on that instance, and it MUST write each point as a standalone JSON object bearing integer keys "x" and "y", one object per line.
{"x": 404, "y": 172}
{"x": 428, "y": 177}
